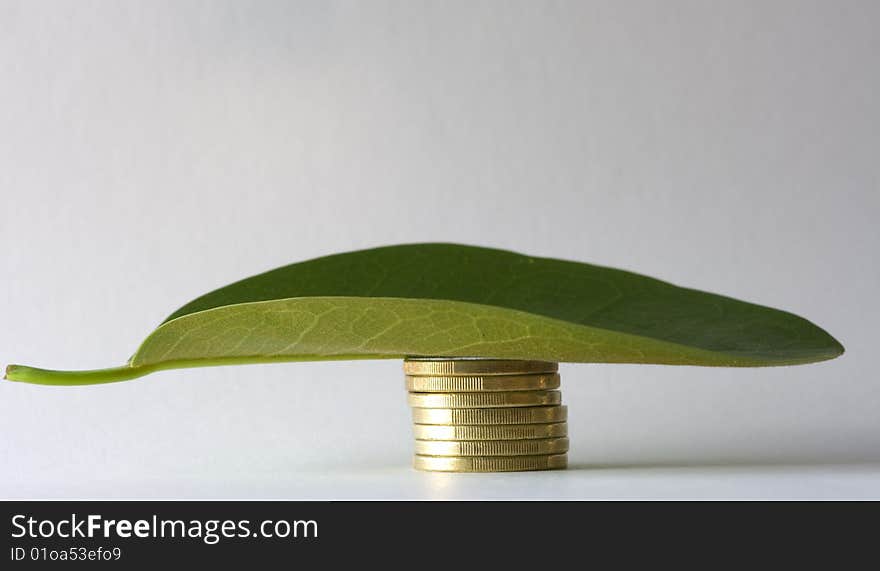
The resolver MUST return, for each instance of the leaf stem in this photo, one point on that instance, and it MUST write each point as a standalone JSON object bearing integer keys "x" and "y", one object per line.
{"x": 34, "y": 375}
{"x": 37, "y": 376}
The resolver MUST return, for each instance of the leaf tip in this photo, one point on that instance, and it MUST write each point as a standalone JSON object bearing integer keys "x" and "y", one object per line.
{"x": 834, "y": 347}
{"x": 839, "y": 349}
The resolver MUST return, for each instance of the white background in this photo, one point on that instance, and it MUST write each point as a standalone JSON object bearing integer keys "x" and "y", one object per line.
{"x": 152, "y": 151}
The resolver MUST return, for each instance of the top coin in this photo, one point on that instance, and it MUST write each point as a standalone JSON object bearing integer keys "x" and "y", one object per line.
{"x": 446, "y": 367}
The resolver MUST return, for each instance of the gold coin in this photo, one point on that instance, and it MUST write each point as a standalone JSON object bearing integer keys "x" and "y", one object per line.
{"x": 476, "y": 383}
{"x": 491, "y": 447}
{"x": 489, "y": 463}
{"x": 490, "y": 431}
{"x": 445, "y": 367}
{"x": 484, "y": 400}
{"x": 468, "y": 416}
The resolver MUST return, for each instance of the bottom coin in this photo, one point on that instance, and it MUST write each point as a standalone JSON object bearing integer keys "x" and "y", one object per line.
{"x": 490, "y": 463}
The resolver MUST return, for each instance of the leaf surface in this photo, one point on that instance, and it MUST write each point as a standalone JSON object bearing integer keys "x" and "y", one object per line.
{"x": 453, "y": 300}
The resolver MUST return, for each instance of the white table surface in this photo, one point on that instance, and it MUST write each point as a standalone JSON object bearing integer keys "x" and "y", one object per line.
{"x": 579, "y": 482}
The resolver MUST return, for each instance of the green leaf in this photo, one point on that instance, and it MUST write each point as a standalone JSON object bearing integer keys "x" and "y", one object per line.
{"x": 453, "y": 300}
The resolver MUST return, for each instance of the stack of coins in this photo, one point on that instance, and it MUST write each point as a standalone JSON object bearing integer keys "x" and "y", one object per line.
{"x": 486, "y": 415}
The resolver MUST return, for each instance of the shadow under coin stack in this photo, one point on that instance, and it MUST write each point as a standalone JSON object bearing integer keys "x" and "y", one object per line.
{"x": 486, "y": 415}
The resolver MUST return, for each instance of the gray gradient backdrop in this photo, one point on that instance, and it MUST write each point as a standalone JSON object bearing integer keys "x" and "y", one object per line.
{"x": 151, "y": 151}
